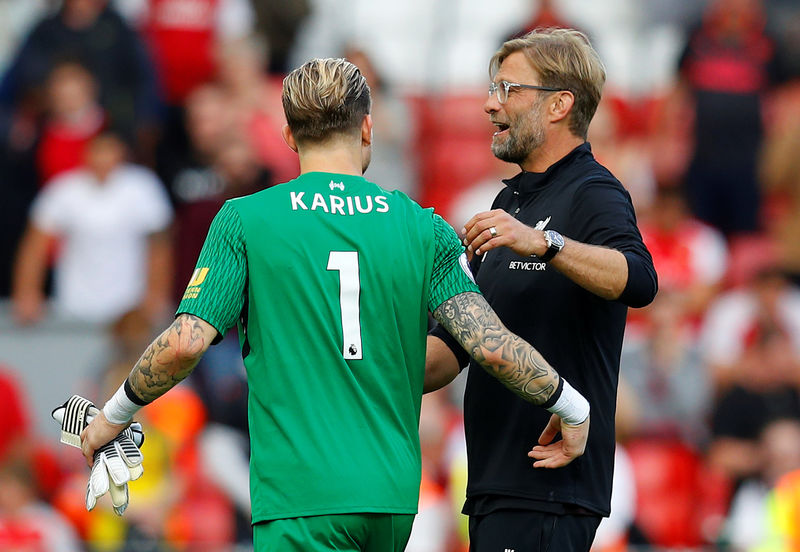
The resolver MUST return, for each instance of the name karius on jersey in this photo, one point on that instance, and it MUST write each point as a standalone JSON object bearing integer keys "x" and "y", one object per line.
{"x": 198, "y": 277}
{"x": 335, "y": 204}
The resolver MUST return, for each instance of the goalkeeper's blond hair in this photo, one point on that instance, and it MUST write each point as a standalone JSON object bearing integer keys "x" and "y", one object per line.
{"x": 325, "y": 97}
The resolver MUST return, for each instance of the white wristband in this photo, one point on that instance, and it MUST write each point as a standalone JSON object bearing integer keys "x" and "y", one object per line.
{"x": 571, "y": 405}
{"x": 120, "y": 409}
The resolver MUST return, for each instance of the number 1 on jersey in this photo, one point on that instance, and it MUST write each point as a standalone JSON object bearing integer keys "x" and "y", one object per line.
{"x": 346, "y": 262}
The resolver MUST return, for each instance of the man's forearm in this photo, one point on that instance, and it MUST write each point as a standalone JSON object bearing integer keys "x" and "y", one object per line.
{"x": 601, "y": 270}
{"x": 441, "y": 365}
{"x": 30, "y": 265}
{"x": 518, "y": 366}
{"x": 171, "y": 357}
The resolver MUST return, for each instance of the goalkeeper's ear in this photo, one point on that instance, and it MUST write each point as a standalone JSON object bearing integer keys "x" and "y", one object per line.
{"x": 288, "y": 137}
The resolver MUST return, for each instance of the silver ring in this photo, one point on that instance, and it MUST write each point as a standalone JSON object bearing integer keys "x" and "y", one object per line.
{"x": 493, "y": 231}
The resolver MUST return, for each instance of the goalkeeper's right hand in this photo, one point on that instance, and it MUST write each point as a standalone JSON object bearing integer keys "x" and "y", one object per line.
{"x": 116, "y": 462}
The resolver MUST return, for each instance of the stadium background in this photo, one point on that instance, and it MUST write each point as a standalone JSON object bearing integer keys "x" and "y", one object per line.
{"x": 709, "y": 408}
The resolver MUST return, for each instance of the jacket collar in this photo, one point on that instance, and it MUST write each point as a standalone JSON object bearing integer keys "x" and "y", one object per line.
{"x": 530, "y": 182}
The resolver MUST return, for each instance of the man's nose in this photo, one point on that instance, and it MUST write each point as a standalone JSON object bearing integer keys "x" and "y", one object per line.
{"x": 491, "y": 105}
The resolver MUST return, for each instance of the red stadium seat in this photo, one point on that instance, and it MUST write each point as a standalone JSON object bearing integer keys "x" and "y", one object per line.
{"x": 679, "y": 503}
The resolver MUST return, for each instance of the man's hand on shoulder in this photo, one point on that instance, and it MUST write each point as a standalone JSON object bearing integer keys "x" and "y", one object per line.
{"x": 571, "y": 445}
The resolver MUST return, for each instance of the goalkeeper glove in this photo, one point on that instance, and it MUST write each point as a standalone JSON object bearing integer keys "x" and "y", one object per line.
{"x": 115, "y": 463}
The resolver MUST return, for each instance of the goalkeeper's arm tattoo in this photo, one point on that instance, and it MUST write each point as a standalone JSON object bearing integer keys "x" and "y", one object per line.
{"x": 171, "y": 357}
{"x": 518, "y": 366}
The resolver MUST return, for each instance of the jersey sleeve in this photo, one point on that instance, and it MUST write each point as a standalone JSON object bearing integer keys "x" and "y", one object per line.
{"x": 451, "y": 274}
{"x": 217, "y": 289}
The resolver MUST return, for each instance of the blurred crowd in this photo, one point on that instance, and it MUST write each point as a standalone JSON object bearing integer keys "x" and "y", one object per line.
{"x": 125, "y": 124}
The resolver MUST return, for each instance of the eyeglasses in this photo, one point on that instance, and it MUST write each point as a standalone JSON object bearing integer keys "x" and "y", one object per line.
{"x": 501, "y": 89}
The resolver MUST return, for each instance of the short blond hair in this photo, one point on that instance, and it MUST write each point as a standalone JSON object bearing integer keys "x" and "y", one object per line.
{"x": 324, "y": 97}
{"x": 564, "y": 59}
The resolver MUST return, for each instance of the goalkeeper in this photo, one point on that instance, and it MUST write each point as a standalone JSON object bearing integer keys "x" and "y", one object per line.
{"x": 330, "y": 279}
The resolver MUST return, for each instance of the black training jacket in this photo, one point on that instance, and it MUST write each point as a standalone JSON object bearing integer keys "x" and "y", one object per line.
{"x": 579, "y": 333}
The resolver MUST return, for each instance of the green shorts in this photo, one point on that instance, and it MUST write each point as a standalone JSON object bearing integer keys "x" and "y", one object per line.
{"x": 349, "y": 532}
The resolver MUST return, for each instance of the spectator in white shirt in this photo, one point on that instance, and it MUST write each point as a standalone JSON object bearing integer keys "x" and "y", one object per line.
{"x": 110, "y": 219}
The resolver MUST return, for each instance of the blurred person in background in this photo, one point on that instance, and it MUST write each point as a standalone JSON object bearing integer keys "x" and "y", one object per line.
{"x": 766, "y": 303}
{"x": 182, "y": 37}
{"x": 27, "y": 524}
{"x": 748, "y": 526}
{"x": 392, "y": 162}
{"x": 569, "y": 294}
{"x": 219, "y": 165}
{"x": 110, "y": 218}
{"x": 727, "y": 65}
{"x": 37, "y": 146}
{"x": 195, "y": 188}
{"x": 255, "y": 101}
{"x": 73, "y": 117}
{"x": 766, "y": 387}
{"x": 669, "y": 387}
{"x": 690, "y": 257}
{"x": 94, "y": 34}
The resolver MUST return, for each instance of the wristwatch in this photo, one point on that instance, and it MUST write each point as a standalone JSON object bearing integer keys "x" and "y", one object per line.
{"x": 555, "y": 243}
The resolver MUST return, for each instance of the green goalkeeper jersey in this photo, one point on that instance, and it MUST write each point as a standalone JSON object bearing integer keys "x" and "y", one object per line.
{"x": 330, "y": 279}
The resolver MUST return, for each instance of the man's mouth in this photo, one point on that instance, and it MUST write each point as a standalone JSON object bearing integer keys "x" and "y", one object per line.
{"x": 501, "y": 128}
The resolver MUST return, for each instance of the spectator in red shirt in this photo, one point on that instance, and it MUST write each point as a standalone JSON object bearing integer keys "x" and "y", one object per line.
{"x": 183, "y": 35}
{"x": 74, "y": 117}
{"x": 93, "y": 33}
{"x": 255, "y": 100}
{"x": 690, "y": 257}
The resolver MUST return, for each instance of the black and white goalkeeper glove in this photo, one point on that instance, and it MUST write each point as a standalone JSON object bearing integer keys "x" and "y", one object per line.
{"x": 115, "y": 463}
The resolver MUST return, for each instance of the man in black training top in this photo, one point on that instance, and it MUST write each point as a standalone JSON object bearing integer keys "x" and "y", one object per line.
{"x": 560, "y": 259}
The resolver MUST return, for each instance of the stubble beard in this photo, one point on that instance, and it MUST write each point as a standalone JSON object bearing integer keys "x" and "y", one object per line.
{"x": 524, "y": 136}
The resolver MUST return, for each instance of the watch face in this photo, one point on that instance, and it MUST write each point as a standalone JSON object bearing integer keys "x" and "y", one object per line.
{"x": 555, "y": 239}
